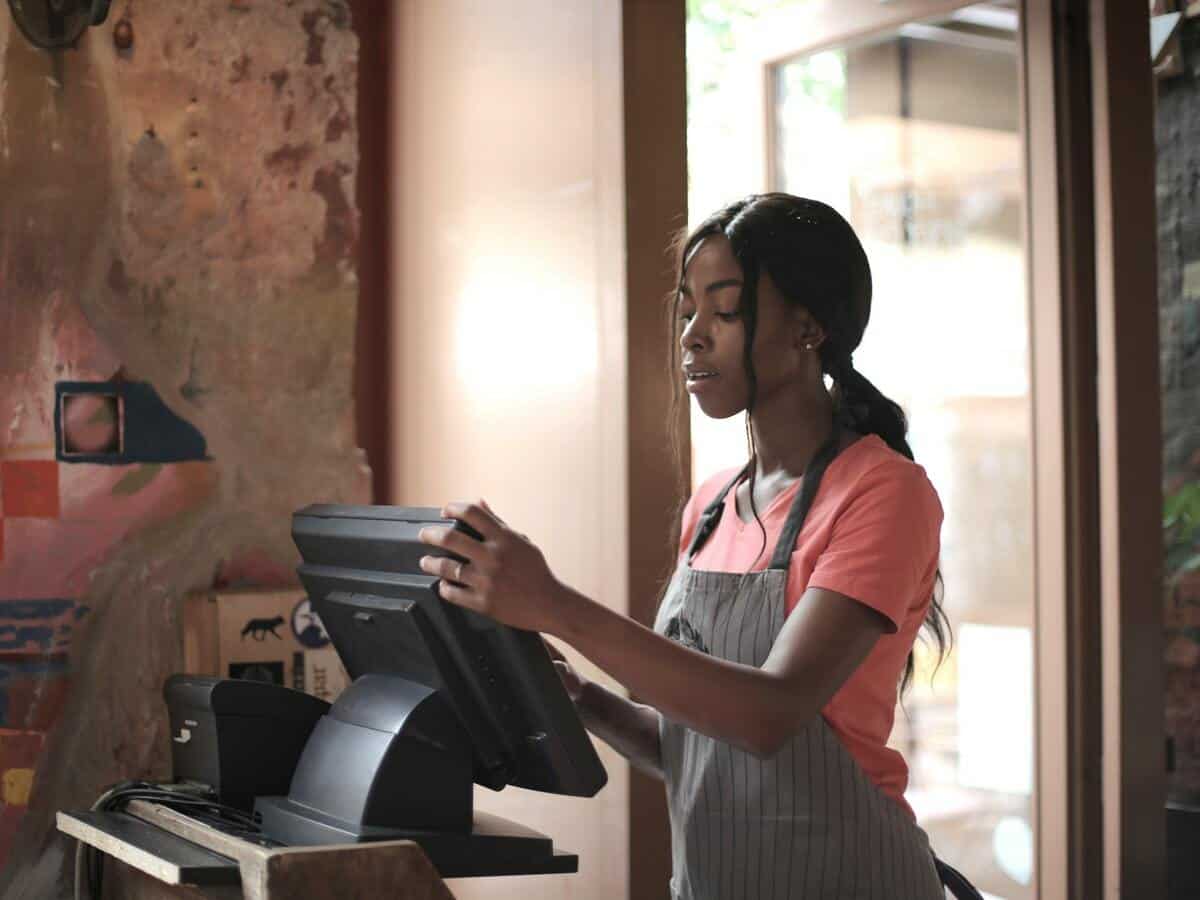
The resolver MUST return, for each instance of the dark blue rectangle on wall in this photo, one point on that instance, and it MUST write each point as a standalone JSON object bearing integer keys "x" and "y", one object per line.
{"x": 120, "y": 422}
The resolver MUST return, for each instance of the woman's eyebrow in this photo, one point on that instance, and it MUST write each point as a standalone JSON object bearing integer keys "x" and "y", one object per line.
{"x": 724, "y": 283}
{"x": 715, "y": 286}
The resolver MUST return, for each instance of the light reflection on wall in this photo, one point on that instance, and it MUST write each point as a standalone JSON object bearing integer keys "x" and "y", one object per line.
{"x": 509, "y": 280}
{"x": 523, "y": 334}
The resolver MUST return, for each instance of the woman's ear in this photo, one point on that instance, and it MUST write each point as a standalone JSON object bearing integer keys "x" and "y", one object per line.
{"x": 807, "y": 333}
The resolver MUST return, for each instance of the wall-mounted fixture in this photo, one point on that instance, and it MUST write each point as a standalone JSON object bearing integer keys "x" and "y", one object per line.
{"x": 91, "y": 424}
{"x": 53, "y": 24}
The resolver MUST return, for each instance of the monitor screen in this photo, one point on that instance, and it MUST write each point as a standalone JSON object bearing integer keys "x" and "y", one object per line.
{"x": 384, "y": 616}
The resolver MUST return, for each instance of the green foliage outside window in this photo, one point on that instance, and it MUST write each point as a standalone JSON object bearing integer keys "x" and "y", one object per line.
{"x": 1181, "y": 533}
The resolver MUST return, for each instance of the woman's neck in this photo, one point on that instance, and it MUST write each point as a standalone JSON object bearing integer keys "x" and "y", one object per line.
{"x": 788, "y": 431}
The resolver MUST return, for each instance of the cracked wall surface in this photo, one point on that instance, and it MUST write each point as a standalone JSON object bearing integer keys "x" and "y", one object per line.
{"x": 1178, "y": 189}
{"x": 178, "y": 213}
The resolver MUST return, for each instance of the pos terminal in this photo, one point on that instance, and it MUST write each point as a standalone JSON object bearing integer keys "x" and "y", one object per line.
{"x": 442, "y": 699}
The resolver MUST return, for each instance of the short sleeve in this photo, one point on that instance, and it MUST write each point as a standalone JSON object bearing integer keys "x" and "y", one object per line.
{"x": 885, "y": 542}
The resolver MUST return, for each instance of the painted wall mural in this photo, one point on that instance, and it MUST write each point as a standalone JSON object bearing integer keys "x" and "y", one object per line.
{"x": 178, "y": 245}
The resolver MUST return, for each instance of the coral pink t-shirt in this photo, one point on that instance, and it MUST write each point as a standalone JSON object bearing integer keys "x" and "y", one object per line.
{"x": 873, "y": 534}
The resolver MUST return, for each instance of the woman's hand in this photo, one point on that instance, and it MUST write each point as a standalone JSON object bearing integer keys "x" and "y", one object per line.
{"x": 505, "y": 576}
{"x": 571, "y": 679}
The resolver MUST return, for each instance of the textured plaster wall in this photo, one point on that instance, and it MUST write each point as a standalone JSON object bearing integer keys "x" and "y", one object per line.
{"x": 1178, "y": 140}
{"x": 179, "y": 213}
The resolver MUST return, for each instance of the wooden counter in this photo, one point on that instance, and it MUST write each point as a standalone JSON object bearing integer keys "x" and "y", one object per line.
{"x": 154, "y": 853}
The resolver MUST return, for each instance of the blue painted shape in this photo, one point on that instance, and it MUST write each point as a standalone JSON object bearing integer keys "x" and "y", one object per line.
{"x": 42, "y": 667}
{"x": 13, "y": 637}
{"x": 37, "y": 626}
{"x": 35, "y": 609}
{"x": 151, "y": 432}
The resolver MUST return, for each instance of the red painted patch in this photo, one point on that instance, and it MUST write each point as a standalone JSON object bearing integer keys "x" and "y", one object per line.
{"x": 254, "y": 568}
{"x": 33, "y": 695}
{"x": 20, "y": 749}
{"x": 10, "y": 823}
{"x": 30, "y": 488}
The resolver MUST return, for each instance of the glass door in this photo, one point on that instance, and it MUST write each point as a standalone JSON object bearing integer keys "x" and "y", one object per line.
{"x": 913, "y": 133}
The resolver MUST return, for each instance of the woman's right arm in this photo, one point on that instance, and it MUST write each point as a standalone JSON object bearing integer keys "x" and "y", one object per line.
{"x": 629, "y": 728}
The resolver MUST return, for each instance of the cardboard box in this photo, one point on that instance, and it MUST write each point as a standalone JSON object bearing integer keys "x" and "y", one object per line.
{"x": 263, "y": 636}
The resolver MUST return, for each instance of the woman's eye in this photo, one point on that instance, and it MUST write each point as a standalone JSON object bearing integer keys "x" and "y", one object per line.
{"x": 728, "y": 317}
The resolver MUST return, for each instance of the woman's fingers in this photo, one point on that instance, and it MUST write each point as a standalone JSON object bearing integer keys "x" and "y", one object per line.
{"x": 555, "y": 653}
{"x": 570, "y": 679}
{"x": 566, "y": 672}
{"x": 448, "y": 569}
{"x": 491, "y": 512}
{"x": 506, "y": 578}
{"x": 458, "y": 543}
{"x": 454, "y": 541}
{"x": 475, "y": 515}
{"x": 459, "y": 596}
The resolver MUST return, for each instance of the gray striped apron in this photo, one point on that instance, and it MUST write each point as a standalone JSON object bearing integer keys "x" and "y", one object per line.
{"x": 806, "y": 824}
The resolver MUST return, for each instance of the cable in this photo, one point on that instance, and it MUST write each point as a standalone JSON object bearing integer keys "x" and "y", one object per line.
{"x": 196, "y": 801}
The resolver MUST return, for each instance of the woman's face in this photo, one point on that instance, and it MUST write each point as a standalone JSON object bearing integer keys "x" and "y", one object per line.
{"x": 713, "y": 336}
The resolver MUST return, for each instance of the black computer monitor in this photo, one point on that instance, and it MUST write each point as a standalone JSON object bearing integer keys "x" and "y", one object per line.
{"x": 441, "y": 697}
{"x": 362, "y": 574}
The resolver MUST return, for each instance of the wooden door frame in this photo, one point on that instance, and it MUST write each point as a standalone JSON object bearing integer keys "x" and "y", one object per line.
{"x": 1056, "y": 120}
{"x": 372, "y": 23}
{"x": 1130, "y": 451}
{"x": 1090, "y": 144}
{"x": 655, "y": 123}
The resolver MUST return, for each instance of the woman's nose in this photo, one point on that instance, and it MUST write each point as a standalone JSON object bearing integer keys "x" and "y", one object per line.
{"x": 693, "y": 335}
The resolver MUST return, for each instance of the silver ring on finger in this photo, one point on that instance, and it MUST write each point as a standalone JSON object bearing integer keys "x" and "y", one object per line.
{"x": 458, "y": 572}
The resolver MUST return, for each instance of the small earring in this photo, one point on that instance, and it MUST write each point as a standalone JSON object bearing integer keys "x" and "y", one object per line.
{"x": 808, "y": 346}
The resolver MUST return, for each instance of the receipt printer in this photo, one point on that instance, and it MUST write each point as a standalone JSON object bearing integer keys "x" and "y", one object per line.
{"x": 240, "y": 738}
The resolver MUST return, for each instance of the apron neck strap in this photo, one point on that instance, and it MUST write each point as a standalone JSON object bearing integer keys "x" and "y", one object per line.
{"x": 712, "y": 514}
{"x": 813, "y": 474}
{"x": 796, "y": 515}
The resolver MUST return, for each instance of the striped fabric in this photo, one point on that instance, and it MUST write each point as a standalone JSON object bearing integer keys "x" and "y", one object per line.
{"x": 807, "y": 824}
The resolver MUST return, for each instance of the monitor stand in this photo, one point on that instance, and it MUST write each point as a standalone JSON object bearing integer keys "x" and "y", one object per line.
{"x": 390, "y": 761}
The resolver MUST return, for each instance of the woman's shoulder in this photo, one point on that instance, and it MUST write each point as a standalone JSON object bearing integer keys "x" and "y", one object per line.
{"x": 869, "y": 465}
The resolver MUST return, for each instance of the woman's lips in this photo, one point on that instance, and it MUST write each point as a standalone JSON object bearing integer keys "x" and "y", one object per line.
{"x": 700, "y": 380}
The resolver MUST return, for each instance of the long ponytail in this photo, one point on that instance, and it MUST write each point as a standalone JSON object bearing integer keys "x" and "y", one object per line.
{"x": 865, "y": 409}
{"x": 863, "y": 406}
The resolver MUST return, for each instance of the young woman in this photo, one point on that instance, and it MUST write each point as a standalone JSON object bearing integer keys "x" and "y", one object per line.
{"x": 803, "y": 579}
